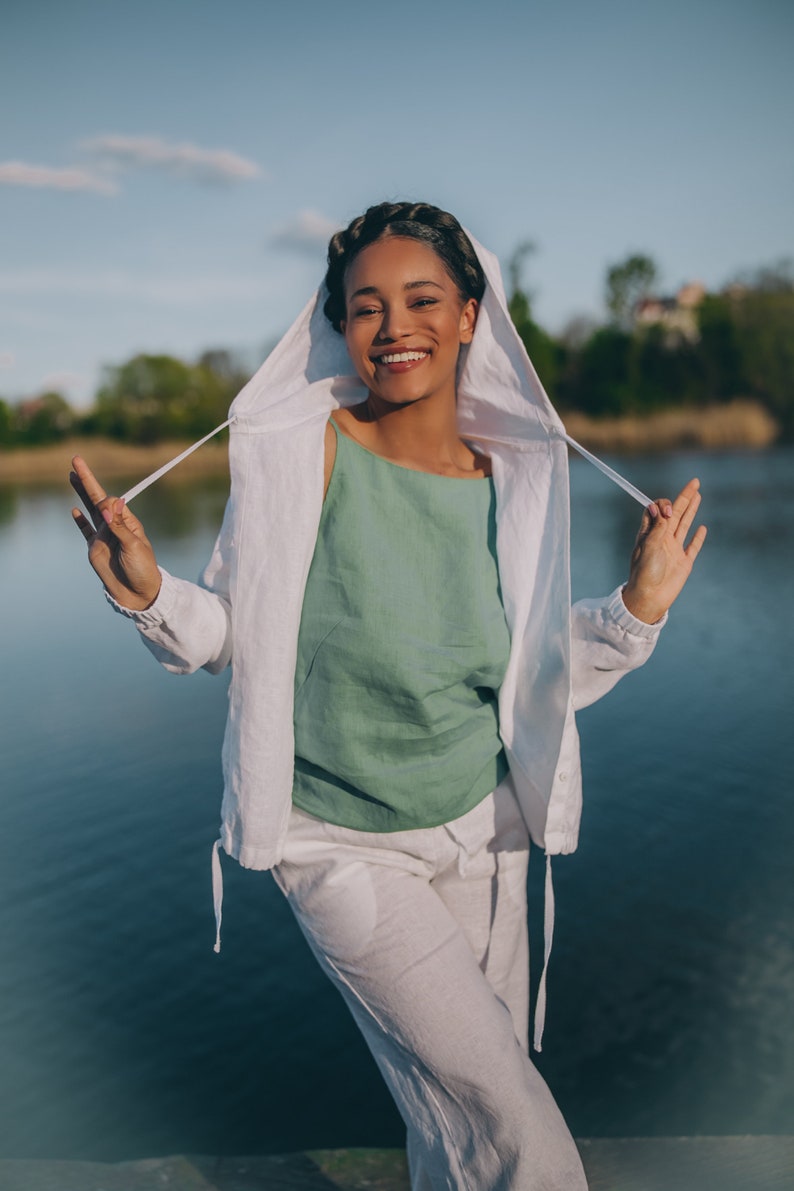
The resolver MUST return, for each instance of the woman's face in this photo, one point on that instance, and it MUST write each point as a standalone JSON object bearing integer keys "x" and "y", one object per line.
{"x": 405, "y": 321}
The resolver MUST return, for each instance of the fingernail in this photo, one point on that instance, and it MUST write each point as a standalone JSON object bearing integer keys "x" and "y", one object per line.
{"x": 107, "y": 515}
{"x": 653, "y": 509}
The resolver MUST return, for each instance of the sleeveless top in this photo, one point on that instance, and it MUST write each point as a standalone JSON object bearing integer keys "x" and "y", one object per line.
{"x": 402, "y": 648}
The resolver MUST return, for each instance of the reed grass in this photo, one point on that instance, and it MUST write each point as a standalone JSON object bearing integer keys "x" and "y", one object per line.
{"x": 717, "y": 427}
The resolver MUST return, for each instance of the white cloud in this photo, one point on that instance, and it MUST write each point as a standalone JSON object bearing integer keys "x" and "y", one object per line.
{"x": 116, "y": 152}
{"x": 7, "y": 360}
{"x": 21, "y": 173}
{"x": 307, "y": 232}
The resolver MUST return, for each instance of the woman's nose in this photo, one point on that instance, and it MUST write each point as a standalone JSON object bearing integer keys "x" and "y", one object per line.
{"x": 393, "y": 323}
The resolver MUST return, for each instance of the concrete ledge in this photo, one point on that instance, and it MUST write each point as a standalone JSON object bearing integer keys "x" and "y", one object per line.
{"x": 612, "y": 1164}
{"x": 689, "y": 1163}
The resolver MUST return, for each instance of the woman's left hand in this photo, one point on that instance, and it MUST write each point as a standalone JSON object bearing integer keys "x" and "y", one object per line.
{"x": 661, "y": 561}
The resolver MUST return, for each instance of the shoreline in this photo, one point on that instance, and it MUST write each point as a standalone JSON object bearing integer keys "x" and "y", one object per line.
{"x": 738, "y": 424}
{"x": 735, "y": 425}
{"x": 734, "y": 1163}
{"x": 110, "y": 460}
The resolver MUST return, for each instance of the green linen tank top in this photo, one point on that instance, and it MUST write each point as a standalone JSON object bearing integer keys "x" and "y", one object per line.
{"x": 402, "y": 648}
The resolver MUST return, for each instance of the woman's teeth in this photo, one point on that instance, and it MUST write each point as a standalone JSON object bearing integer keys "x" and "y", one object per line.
{"x": 401, "y": 357}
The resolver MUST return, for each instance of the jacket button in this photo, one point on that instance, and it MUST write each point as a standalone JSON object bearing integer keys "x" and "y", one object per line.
{"x": 563, "y": 776}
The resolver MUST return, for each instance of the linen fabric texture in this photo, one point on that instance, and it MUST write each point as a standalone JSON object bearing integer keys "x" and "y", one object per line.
{"x": 439, "y": 987}
{"x": 402, "y": 647}
{"x": 246, "y": 609}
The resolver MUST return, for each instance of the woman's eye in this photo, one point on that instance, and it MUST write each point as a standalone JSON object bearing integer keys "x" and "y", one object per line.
{"x": 420, "y": 302}
{"x": 365, "y": 311}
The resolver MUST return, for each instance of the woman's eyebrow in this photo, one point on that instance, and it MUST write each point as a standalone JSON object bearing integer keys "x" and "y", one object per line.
{"x": 373, "y": 289}
{"x": 365, "y": 289}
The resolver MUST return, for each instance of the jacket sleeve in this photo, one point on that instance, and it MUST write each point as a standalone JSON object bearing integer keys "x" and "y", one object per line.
{"x": 189, "y": 625}
{"x": 607, "y": 641}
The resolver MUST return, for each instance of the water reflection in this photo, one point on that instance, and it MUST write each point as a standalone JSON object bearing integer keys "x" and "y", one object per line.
{"x": 672, "y": 982}
{"x": 173, "y": 511}
{"x": 8, "y": 505}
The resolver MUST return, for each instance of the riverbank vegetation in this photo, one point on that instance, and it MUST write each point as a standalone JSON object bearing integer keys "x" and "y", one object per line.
{"x": 697, "y": 368}
{"x": 685, "y": 361}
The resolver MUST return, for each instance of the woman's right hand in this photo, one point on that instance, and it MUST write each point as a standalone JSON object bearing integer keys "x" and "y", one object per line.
{"x": 118, "y": 549}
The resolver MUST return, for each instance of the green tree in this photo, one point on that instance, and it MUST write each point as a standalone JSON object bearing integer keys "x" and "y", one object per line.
{"x": 154, "y": 397}
{"x": 665, "y": 370}
{"x": 763, "y": 314}
{"x": 719, "y": 349}
{"x": 145, "y": 399}
{"x": 541, "y": 348}
{"x": 600, "y": 377}
{"x": 219, "y": 378}
{"x": 6, "y": 424}
{"x": 627, "y": 284}
{"x": 43, "y": 419}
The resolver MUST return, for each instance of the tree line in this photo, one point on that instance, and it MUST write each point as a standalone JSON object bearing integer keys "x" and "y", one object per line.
{"x": 147, "y": 399}
{"x": 651, "y": 353}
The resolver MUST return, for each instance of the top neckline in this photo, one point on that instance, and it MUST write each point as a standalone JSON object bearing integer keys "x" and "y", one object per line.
{"x": 414, "y": 471}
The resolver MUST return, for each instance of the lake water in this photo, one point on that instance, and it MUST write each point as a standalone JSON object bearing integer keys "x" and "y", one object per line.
{"x": 672, "y": 982}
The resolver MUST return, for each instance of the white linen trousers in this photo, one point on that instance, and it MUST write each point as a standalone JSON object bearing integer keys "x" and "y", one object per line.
{"x": 424, "y": 933}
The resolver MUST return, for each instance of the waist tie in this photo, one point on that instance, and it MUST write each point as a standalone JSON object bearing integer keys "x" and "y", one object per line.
{"x": 548, "y": 937}
{"x": 217, "y": 892}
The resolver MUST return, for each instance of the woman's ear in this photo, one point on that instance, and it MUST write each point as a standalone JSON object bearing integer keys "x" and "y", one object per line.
{"x": 468, "y": 320}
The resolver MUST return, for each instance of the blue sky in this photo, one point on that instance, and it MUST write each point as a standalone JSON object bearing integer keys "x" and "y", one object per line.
{"x": 169, "y": 172}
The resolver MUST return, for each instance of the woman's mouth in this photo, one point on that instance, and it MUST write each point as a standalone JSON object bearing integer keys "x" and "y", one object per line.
{"x": 401, "y": 361}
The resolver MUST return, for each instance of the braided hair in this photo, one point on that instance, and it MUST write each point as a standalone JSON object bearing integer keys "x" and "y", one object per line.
{"x": 415, "y": 221}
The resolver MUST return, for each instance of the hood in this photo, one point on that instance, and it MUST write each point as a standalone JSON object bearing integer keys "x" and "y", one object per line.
{"x": 499, "y": 393}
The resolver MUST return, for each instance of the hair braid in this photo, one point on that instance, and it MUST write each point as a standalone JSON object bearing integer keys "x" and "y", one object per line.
{"x": 416, "y": 221}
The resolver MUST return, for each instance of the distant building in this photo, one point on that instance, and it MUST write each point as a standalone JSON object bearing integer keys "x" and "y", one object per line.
{"x": 677, "y": 315}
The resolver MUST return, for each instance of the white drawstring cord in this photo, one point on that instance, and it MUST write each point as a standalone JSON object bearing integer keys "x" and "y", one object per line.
{"x": 615, "y": 476}
{"x": 217, "y": 892}
{"x": 548, "y": 937}
{"x": 558, "y": 431}
{"x": 161, "y": 471}
{"x": 548, "y": 908}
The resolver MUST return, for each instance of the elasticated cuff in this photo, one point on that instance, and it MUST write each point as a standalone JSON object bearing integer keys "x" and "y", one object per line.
{"x": 157, "y": 612}
{"x": 628, "y": 621}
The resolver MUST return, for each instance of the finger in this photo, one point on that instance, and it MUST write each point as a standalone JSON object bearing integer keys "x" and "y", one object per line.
{"x": 88, "y": 488}
{"x": 85, "y": 526}
{"x": 687, "y": 493}
{"x": 120, "y": 522}
{"x": 131, "y": 521}
{"x": 695, "y": 546}
{"x": 659, "y": 512}
{"x": 649, "y": 514}
{"x": 87, "y": 480}
{"x": 687, "y": 517}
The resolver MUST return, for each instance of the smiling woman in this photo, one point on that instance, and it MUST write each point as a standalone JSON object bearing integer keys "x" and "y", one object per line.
{"x": 391, "y": 589}
{"x": 405, "y": 324}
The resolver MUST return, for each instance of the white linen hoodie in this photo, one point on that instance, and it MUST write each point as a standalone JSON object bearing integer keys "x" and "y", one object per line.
{"x": 246, "y": 610}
